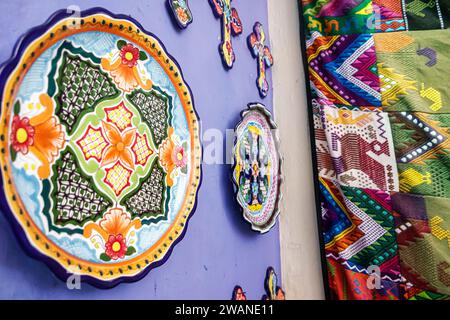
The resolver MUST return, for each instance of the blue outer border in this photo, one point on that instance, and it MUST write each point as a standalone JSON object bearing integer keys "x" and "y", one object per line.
{"x": 5, "y": 70}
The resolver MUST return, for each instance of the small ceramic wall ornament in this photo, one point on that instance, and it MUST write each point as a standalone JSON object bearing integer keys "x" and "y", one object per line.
{"x": 100, "y": 130}
{"x": 261, "y": 52}
{"x": 257, "y": 165}
{"x": 273, "y": 291}
{"x": 231, "y": 25}
{"x": 238, "y": 294}
{"x": 181, "y": 12}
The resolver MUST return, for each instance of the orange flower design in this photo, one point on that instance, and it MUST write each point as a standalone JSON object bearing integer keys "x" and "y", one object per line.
{"x": 44, "y": 135}
{"x": 115, "y": 222}
{"x": 124, "y": 69}
{"x": 171, "y": 156}
{"x": 182, "y": 15}
{"x": 120, "y": 145}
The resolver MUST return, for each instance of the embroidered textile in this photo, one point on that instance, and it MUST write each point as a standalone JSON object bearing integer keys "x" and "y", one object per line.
{"x": 381, "y": 119}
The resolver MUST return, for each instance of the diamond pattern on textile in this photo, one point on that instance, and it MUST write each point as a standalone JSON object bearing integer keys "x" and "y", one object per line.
{"x": 344, "y": 69}
{"x": 75, "y": 197}
{"x": 378, "y": 245}
{"x": 339, "y": 225}
{"x": 359, "y": 234}
{"x": 120, "y": 116}
{"x": 422, "y": 146}
{"x": 92, "y": 143}
{"x": 359, "y": 228}
{"x": 117, "y": 177}
{"x": 141, "y": 149}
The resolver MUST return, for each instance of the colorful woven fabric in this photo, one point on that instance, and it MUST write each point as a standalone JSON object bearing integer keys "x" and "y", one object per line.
{"x": 414, "y": 68}
{"x": 388, "y": 15}
{"x": 343, "y": 69}
{"x": 354, "y": 148}
{"x": 423, "y": 230}
{"x": 422, "y": 146}
{"x": 381, "y": 113}
{"x": 331, "y": 17}
{"x": 426, "y": 14}
{"x": 359, "y": 233}
{"x": 338, "y": 17}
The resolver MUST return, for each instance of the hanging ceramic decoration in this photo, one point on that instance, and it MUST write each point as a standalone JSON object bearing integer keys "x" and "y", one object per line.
{"x": 256, "y": 43}
{"x": 238, "y": 294}
{"x": 274, "y": 292}
{"x": 100, "y": 147}
{"x": 231, "y": 26}
{"x": 257, "y": 167}
{"x": 181, "y": 12}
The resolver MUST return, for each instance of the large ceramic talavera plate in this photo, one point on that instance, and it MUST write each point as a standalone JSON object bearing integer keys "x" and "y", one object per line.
{"x": 257, "y": 165}
{"x": 100, "y": 147}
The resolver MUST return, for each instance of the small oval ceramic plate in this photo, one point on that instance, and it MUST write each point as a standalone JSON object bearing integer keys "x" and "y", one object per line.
{"x": 181, "y": 12}
{"x": 101, "y": 150}
{"x": 257, "y": 167}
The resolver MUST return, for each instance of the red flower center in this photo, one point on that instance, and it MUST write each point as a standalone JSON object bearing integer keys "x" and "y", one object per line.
{"x": 129, "y": 55}
{"x": 116, "y": 247}
{"x": 22, "y": 134}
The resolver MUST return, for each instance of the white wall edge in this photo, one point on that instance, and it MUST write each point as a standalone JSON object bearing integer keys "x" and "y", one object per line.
{"x": 299, "y": 243}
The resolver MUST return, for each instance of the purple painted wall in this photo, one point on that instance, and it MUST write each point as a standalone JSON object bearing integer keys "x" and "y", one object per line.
{"x": 219, "y": 249}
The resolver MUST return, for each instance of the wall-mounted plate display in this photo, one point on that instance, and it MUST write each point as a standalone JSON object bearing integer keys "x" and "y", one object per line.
{"x": 257, "y": 167}
{"x": 100, "y": 147}
{"x": 181, "y": 12}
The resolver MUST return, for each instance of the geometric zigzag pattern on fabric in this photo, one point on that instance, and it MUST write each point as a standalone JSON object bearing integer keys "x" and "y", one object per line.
{"x": 359, "y": 228}
{"x": 423, "y": 151}
{"x": 344, "y": 69}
